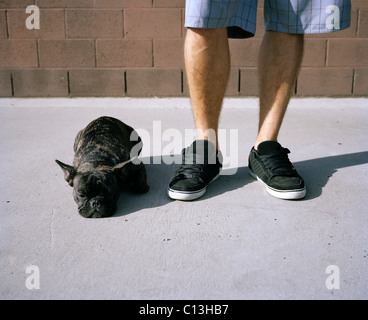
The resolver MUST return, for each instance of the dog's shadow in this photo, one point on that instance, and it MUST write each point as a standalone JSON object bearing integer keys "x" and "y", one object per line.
{"x": 158, "y": 175}
{"x": 316, "y": 173}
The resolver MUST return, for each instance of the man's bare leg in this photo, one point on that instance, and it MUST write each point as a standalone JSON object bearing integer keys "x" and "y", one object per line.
{"x": 279, "y": 62}
{"x": 278, "y": 66}
{"x": 207, "y": 61}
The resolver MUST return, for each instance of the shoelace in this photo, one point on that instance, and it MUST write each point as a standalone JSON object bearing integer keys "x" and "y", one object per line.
{"x": 193, "y": 166}
{"x": 278, "y": 164}
{"x": 190, "y": 170}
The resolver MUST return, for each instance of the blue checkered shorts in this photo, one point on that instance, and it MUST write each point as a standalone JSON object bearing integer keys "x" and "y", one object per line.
{"x": 287, "y": 16}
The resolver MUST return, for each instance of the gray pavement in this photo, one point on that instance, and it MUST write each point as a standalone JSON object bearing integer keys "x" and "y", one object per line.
{"x": 237, "y": 242}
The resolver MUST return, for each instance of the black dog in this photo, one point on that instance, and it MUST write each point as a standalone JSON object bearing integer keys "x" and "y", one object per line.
{"x": 104, "y": 164}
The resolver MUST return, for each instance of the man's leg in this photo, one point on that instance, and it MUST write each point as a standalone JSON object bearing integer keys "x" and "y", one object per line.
{"x": 207, "y": 61}
{"x": 279, "y": 62}
{"x": 278, "y": 66}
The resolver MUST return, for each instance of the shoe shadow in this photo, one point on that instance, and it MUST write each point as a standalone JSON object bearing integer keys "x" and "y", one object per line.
{"x": 228, "y": 181}
{"x": 316, "y": 173}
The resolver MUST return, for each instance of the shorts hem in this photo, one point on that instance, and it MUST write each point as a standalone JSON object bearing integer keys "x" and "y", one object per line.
{"x": 233, "y": 31}
{"x": 309, "y": 30}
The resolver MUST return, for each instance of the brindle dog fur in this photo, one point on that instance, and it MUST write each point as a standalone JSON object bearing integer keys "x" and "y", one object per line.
{"x": 105, "y": 163}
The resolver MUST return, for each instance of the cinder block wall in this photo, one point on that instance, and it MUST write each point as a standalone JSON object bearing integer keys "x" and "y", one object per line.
{"x": 135, "y": 48}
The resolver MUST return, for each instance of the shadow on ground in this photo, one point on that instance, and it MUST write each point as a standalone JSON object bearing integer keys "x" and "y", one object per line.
{"x": 316, "y": 173}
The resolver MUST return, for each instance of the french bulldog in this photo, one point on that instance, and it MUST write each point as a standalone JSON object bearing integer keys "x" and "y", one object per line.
{"x": 105, "y": 163}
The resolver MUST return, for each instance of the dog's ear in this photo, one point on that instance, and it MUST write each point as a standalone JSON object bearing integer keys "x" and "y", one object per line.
{"x": 69, "y": 172}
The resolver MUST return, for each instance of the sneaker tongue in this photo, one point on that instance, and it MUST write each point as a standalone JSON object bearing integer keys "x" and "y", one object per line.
{"x": 269, "y": 147}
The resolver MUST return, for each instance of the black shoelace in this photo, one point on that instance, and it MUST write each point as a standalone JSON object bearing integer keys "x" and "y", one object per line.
{"x": 278, "y": 164}
{"x": 190, "y": 170}
{"x": 193, "y": 165}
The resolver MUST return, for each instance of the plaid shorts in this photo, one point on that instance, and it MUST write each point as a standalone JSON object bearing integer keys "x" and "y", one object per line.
{"x": 291, "y": 16}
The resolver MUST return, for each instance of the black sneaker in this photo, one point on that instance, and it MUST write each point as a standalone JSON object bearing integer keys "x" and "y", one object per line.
{"x": 270, "y": 164}
{"x": 201, "y": 165}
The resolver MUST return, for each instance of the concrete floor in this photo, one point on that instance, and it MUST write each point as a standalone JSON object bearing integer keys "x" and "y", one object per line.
{"x": 236, "y": 242}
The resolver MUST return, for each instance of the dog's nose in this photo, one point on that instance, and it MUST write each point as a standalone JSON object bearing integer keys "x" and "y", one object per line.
{"x": 95, "y": 204}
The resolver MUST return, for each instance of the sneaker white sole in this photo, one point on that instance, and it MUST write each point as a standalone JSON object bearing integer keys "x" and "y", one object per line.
{"x": 282, "y": 194}
{"x": 188, "y": 196}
